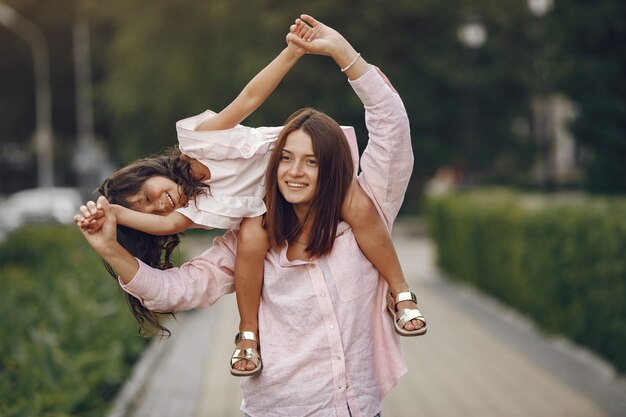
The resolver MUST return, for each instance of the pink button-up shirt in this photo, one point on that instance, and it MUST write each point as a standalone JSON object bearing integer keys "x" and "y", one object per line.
{"x": 327, "y": 342}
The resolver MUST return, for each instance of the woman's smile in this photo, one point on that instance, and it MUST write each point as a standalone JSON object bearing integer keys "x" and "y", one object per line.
{"x": 296, "y": 185}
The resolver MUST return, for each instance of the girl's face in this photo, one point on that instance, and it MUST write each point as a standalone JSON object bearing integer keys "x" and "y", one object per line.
{"x": 159, "y": 195}
{"x": 298, "y": 172}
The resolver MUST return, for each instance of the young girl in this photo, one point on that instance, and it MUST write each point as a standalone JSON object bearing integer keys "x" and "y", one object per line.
{"x": 217, "y": 182}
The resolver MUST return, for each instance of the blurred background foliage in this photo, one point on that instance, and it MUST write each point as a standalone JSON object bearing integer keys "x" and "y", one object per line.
{"x": 68, "y": 338}
{"x": 470, "y": 107}
{"x": 558, "y": 259}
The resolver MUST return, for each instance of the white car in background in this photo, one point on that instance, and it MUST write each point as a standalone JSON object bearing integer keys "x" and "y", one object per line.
{"x": 57, "y": 204}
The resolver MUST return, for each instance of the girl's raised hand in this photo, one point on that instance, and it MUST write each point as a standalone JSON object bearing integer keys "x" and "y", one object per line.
{"x": 303, "y": 32}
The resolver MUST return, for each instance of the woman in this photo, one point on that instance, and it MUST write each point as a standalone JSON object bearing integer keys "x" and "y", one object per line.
{"x": 328, "y": 345}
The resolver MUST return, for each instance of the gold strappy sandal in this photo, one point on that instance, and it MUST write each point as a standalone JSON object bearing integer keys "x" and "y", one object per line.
{"x": 251, "y": 354}
{"x": 406, "y": 314}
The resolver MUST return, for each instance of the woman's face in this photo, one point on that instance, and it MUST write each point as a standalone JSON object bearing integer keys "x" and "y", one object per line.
{"x": 159, "y": 195}
{"x": 298, "y": 171}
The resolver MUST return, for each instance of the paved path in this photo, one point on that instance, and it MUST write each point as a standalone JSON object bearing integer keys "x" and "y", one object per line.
{"x": 479, "y": 358}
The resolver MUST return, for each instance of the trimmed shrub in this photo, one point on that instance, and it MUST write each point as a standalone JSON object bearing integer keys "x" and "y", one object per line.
{"x": 560, "y": 260}
{"x": 68, "y": 339}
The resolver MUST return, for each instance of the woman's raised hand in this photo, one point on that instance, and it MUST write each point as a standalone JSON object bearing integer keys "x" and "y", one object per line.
{"x": 315, "y": 37}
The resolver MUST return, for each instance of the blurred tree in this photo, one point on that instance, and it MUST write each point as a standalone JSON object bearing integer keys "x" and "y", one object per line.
{"x": 176, "y": 58}
{"x": 590, "y": 65}
{"x": 157, "y": 62}
{"x": 17, "y": 102}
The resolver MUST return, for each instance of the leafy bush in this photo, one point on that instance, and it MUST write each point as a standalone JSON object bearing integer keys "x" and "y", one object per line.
{"x": 68, "y": 338}
{"x": 560, "y": 260}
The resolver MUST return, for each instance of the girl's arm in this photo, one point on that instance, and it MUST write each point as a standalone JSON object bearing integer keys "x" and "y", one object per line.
{"x": 153, "y": 224}
{"x": 256, "y": 91}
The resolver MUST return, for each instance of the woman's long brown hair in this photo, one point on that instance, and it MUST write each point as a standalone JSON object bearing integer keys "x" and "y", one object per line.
{"x": 336, "y": 172}
{"x": 155, "y": 251}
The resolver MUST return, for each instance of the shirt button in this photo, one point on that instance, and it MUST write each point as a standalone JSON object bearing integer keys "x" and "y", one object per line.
{"x": 339, "y": 387}
{"x": 332, "y": 326}
{"x": 323, "y": 294}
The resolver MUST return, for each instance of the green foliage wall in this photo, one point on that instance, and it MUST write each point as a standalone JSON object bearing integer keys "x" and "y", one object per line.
{"x": 559, "y": 260}
{"x": 68, "y": 339}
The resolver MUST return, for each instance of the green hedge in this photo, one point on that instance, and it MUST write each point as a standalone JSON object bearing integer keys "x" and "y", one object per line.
{"x": 68, "y": 339}
{"x": 560, "y": 260}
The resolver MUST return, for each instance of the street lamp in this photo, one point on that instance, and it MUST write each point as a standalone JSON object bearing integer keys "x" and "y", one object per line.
{"x": 541, "y": 111}
{"x": 90, "y": 161}
{"x": 472, "y": 34}
{"x": 540, "y": 7}
{"x": 35, "y": 38}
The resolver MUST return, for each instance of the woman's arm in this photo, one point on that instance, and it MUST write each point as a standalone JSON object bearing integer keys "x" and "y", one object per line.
{"x": 255, "y": 92}
{"x": 103, "y": 238}
{"x": 387, "y": 161}
{"x": 197, "y": 283}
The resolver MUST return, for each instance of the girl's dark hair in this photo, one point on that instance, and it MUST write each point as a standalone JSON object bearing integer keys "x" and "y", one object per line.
{"x": 336, "y": 172}
{"x": 155, "y": 251}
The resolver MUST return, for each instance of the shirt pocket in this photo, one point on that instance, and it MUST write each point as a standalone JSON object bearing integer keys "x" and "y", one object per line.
{"x": 353, "y": 273}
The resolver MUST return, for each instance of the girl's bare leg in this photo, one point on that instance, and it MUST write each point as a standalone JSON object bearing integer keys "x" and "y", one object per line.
{"x": 252, "y": 245}
{"x": 373, "y": 238}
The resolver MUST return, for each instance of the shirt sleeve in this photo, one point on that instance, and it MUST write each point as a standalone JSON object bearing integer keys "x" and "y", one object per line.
{"x": 234, "y": 143}
{"x": 199, "y": 282}
{"x": 387, "y": 161}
